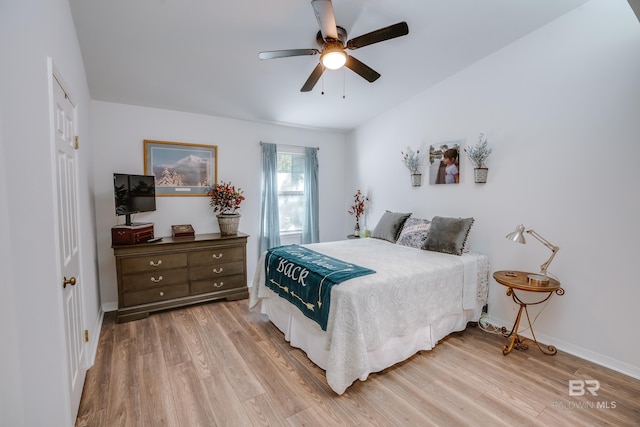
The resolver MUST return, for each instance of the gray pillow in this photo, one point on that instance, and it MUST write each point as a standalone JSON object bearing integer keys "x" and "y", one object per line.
{"x": 448, "y": 235}
{"x": 414, "y": 232}
{"x": 389, "y": 226}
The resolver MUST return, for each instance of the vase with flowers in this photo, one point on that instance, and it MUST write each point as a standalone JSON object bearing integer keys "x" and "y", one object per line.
{"x": 413, "y": 162}
{"x": 357, "y": 209}
{"x": 225, "y": 199}
{"x": 478, "y": 155}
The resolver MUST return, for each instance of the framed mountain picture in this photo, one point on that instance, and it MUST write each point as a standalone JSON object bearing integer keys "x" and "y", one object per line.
{"x": 181, "y": 169}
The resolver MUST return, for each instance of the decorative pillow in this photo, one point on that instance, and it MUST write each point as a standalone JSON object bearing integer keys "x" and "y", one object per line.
{"x": 448, "y": 235}
{"x": 414, "y": 232}
{"x": 389, "y": 226}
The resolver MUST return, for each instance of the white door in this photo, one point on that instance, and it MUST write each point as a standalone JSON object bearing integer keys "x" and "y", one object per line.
{"x": 69, "y": 252}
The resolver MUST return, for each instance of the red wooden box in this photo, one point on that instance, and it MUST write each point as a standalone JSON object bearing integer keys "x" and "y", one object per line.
{"x": 131, "y": 234}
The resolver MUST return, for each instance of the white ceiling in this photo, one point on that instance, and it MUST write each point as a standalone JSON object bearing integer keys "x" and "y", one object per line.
{"x": 201, "y": 56}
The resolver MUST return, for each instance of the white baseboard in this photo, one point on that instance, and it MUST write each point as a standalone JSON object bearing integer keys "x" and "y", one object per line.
{"x": 583, "y": 353}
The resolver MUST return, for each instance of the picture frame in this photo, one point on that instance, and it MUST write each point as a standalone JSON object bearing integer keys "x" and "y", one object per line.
{"x": 181, "y": 169}
{"x": 438, "y": 173}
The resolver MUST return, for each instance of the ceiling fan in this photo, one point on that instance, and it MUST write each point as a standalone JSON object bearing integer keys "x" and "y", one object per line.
{"x": 332, "y": 41}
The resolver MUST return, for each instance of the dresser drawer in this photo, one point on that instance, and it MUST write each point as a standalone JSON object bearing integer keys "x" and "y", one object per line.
{"x": 217, "y": 255}
{"x": 216, "y": 270}
{"x": 153, "y": 262}
{"x": 154, "y": 279}
{"x": 219, "y": 284}
{"x": 161, "y": 293}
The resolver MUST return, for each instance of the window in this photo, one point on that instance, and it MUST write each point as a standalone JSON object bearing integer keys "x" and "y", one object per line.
{"x": 291, "y": 167}
{"x": 289, "y": 212}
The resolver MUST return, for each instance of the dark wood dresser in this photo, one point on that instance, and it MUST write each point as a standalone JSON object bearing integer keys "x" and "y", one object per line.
{"x": 179, "y": 271}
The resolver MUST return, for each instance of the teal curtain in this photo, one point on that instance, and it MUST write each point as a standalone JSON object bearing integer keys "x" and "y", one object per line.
{"x": 310, "y": 228}
{"x": 270, "y": 219}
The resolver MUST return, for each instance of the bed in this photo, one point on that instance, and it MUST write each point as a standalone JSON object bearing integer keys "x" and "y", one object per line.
{"x": 414, "y": 299}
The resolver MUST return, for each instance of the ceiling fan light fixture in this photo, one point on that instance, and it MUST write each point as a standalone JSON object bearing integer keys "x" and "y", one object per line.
{"x": 332, "y": 43}
{"x": 333, "y": 59}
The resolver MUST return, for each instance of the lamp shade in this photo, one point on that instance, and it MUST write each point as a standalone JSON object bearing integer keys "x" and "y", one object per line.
{"x": 518, "y": 235}
{"x": 333, "y": 58}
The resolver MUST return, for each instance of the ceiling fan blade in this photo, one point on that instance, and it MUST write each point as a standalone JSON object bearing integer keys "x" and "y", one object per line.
{"x": 286, "y": 53}
{"x": 362, "y": 69}
{"x": 313, "y": 78}
{"x": 380, "y": 35}
{"x": 326, "y": 18}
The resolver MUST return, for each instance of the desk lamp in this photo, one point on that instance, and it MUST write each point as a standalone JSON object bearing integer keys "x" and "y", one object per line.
{"x": 518, "y": 237}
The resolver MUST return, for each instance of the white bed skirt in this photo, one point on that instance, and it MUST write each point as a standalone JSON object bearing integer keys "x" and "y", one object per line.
{"x": 305, "y": 335}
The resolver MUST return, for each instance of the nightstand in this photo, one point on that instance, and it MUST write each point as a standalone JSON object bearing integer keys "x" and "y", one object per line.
{"x": 518, "y": 281}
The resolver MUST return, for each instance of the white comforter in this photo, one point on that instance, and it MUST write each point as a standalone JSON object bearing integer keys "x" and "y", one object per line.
{"x": 411, "y": 289}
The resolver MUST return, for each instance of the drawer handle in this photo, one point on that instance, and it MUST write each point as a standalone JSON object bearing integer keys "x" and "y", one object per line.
{"x": 155, "y": 264}
{"x": 154, "y": 280}
{"x": 216, "y": 256}
{"x": 161, "y": 294}
{"x": 215, "y": 285}
{"x": 215, "y": 270}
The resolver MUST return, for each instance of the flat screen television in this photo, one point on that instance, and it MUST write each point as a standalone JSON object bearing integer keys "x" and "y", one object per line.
{"x": 134, "y": 194}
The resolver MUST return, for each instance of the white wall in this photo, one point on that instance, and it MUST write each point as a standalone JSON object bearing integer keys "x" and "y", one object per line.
{"x": 119, "y": 131}
{"x": 11, "y": 394}
{"x": 562, "y": 108}
{"x": 34, "y": 384}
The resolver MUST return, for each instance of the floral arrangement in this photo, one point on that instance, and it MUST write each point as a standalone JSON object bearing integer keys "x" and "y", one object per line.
{"x": 479, "y": 153}
{"x": 359, "y": 201}
{"x": 412, "y": 160}
{"x": 225, "y": 198}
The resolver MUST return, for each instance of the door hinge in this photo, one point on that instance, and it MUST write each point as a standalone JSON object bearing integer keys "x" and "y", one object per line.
{"x": 76, "y": 143}
{"x": 86, "y": 335}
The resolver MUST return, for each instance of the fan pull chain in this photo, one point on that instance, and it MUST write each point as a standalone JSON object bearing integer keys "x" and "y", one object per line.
{"x": 344, "y": 84}
{"x": 322, "y": 93}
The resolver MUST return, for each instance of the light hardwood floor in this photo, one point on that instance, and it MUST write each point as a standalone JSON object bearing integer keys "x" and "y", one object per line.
{"x": 218, "y": 364}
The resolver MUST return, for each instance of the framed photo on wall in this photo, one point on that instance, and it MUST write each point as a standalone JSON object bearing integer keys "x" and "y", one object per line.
{"x": 181, "y": 169}
{"x": 444, "y": 163}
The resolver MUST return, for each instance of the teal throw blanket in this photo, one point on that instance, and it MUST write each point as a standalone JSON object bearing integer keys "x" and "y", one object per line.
{"x": 305, "y": 278}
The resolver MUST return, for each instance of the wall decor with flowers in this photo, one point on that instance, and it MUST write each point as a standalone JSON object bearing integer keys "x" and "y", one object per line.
{"x": 413, "y": 162}
{"x": 478, "y": 155}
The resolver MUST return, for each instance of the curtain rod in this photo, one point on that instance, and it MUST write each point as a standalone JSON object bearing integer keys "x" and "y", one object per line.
{"x": 295, "y": 146}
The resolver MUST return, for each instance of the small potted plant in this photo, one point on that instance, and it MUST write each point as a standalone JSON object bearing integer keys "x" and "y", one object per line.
{"x": 357, "y": 209}
{"x": 413, "y": 162}
{"x": 225, "y": 199}
{"x": 478, "y": 155}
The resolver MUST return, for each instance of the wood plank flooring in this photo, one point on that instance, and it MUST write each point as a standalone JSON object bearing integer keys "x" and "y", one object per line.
{"x": 218, "y": 364}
